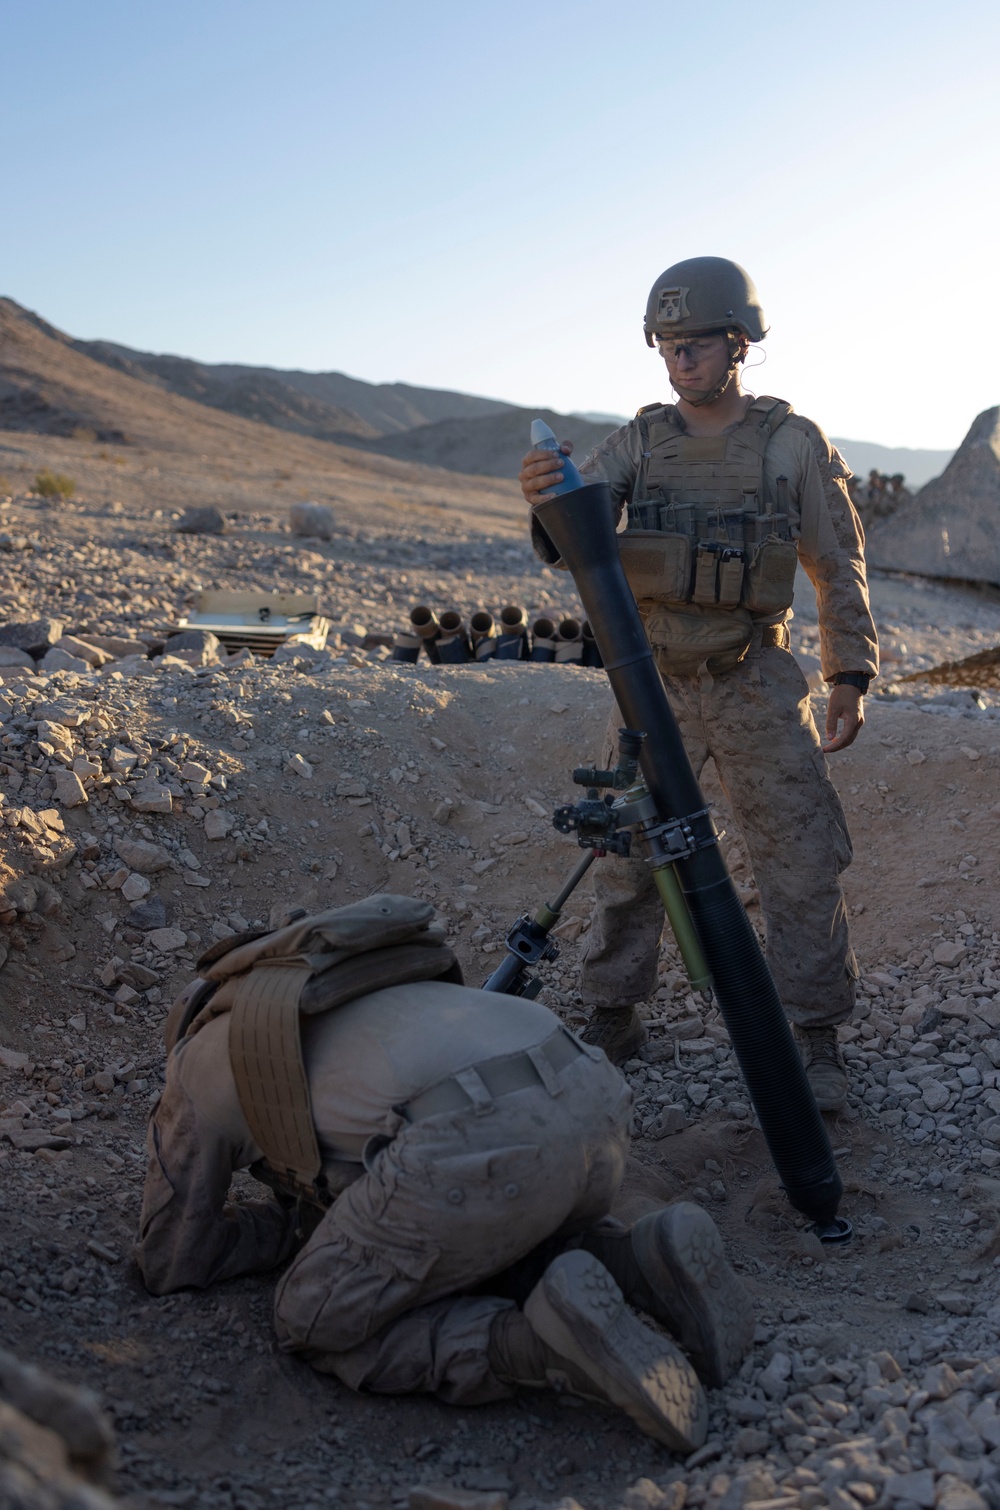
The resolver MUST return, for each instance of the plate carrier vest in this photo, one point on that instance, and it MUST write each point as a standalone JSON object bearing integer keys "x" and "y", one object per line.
{"x": 707, "y": 549}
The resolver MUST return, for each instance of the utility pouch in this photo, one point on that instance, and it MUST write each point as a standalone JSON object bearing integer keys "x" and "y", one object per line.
{"x": 692, "y": 638}
{"x": 730, "y": 578}
{"x": 770, "y": 584}
{"x": 657, "y": 565}
{"x": 705, "y": 573}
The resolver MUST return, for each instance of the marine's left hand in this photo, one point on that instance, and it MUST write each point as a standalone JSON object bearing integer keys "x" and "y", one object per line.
{"x": 845, "y": 715}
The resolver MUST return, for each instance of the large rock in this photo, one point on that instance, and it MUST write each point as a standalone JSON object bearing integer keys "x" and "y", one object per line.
{"x": 202, "y": 521}
{"x": 61, "y": 660}
{"x": 312, "y": 519}
{"x": 33, "y": 635}
{"x": 83, "y": 650}
{"x": 952, "y": 527}
{"x": 11, "y": 658}
{"x": 196, "y": 647}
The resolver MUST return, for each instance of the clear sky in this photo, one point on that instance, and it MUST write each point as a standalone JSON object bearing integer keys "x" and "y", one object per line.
{"x": 477, "y": 194}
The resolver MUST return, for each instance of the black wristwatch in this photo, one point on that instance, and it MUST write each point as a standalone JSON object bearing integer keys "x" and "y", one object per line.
{"x": 859, "y": 679}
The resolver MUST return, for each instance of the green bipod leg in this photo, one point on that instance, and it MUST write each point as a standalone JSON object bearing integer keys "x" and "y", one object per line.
{"x": 676, "y": 908}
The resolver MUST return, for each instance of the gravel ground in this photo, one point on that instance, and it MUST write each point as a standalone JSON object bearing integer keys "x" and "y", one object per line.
{"x": 875, "y": 1377}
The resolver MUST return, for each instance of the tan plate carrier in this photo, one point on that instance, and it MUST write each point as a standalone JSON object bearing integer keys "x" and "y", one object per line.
{"x": 270, "y": 981}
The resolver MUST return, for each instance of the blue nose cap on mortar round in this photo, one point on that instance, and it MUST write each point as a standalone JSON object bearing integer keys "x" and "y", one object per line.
{"x": 543, "y": 439}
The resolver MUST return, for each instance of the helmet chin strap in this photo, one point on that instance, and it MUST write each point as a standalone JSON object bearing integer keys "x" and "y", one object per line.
{"x": 735, "y": 361}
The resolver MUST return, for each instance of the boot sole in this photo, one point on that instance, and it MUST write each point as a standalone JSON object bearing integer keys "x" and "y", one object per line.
{"x": 680, "y": 1254}
{"x": 579, "y": 1311}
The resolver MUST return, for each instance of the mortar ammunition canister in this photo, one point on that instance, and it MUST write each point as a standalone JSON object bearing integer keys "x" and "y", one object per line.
{"x": 453, "y": 647}
{"x": 513, "y": 642}
{"x": 425, "y": 624}
{"x": 484, "y": 635}
{"x": 543, "y": 640}
{"x": 569, "y": 641}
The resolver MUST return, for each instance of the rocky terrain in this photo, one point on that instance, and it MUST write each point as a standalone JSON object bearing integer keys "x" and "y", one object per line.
{"x": 153, "y": 803}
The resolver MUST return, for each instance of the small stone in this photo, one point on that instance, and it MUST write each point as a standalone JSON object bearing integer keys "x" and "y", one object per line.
{"x": 949, "y": 954}
{"x": 955, "y": 1302}
{"x": 298, "y": 766}
{"x": 935, "y": 1096}
{"x": 140, "y": 855}
{"x": 78, "y": 1022}
{"x": 218, "y": 823}
{"x": 670, "y": 1120}
{"x": 69, "y": 789}
{"x": 312, "y": 520}
{"x": 135, "y": 888}
{"x": 939, "y": 1381}
{"x": 122, "y": 761}
{"x": 201, "y": 521}
{"x": 195, "y": 647}
{"x": 167, "y": 940}
{"x": 147, "y": 915}
{"x": 969, "y": 752}
{"x": 918, "y": 1488}
{"x": 916, "y": 757}
{"x": 152, "y": 797}
{"x": 749, "y": 1441}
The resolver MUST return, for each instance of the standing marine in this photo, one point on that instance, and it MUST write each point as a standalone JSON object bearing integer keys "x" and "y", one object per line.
{"x": 722, "y": 495}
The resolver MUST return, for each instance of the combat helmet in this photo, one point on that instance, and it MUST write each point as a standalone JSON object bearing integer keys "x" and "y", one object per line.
{"x": 702, "y": 294}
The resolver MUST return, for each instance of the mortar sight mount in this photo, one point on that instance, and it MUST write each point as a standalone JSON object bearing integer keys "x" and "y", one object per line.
{"x": 607, "y": 826}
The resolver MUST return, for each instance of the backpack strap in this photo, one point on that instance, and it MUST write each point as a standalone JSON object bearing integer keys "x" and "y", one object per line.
{"x": 265, "y": 1050}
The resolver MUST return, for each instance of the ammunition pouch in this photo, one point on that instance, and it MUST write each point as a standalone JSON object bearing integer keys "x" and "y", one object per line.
{"x": 770, "y": 580}
{"x": 657, "y": 565}
{"x": 690, "y": 638}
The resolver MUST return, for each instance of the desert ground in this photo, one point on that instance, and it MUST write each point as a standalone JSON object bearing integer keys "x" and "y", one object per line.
{"x": 875, "y": 1374}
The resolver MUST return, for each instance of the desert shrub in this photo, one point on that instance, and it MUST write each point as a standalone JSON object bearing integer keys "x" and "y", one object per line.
{"x": 54, "y": 484}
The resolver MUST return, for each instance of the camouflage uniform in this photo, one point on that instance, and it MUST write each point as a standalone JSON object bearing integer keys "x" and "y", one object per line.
{"x": 425, "y": 1210}
{"x": 755, "y": 722}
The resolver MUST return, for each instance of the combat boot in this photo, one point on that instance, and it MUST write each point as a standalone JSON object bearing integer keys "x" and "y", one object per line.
{"x": 577, "y": 1335}
{"x": 824, "y": 1064}
{"x": 619, "y": 1031}
{"x": 672, "y": 1266}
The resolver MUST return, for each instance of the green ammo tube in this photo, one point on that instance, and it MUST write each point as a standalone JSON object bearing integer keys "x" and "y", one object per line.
{"x": 679, "y": 917}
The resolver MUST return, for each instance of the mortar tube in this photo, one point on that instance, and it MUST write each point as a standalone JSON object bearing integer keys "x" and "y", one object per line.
{"x": 543, "y": 640}
{"x": 425, "y": 624}
{"x": 484, "y": 635}
{"x": 579, "y": 523}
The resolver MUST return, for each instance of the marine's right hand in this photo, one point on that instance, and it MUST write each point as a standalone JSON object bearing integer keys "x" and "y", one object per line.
{"x": 539, "y": 471}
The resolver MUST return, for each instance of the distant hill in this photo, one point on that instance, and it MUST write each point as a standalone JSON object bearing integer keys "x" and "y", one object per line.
{"x": 328, "y": 405}
{"x": 918, "y": 467}
{"x": 491, "y": 446}
{"x": 66, "y": 384}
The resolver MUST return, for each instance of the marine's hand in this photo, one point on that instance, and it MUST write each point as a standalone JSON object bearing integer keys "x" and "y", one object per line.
{"x": 845, "y": 714}
{"x": 539, "y": 471}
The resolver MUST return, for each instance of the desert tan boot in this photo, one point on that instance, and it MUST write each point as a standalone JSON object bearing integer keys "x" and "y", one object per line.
{"x": 619, "y": 1031}
{"x": 824, "y": 1066}
{"x": 672, "y": 1265}
{"x": 577, "y": 1334}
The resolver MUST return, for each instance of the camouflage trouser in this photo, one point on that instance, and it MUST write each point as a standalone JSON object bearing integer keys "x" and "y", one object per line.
{"x": 375, "y": 1296}
{"x": 756, "y": 724}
